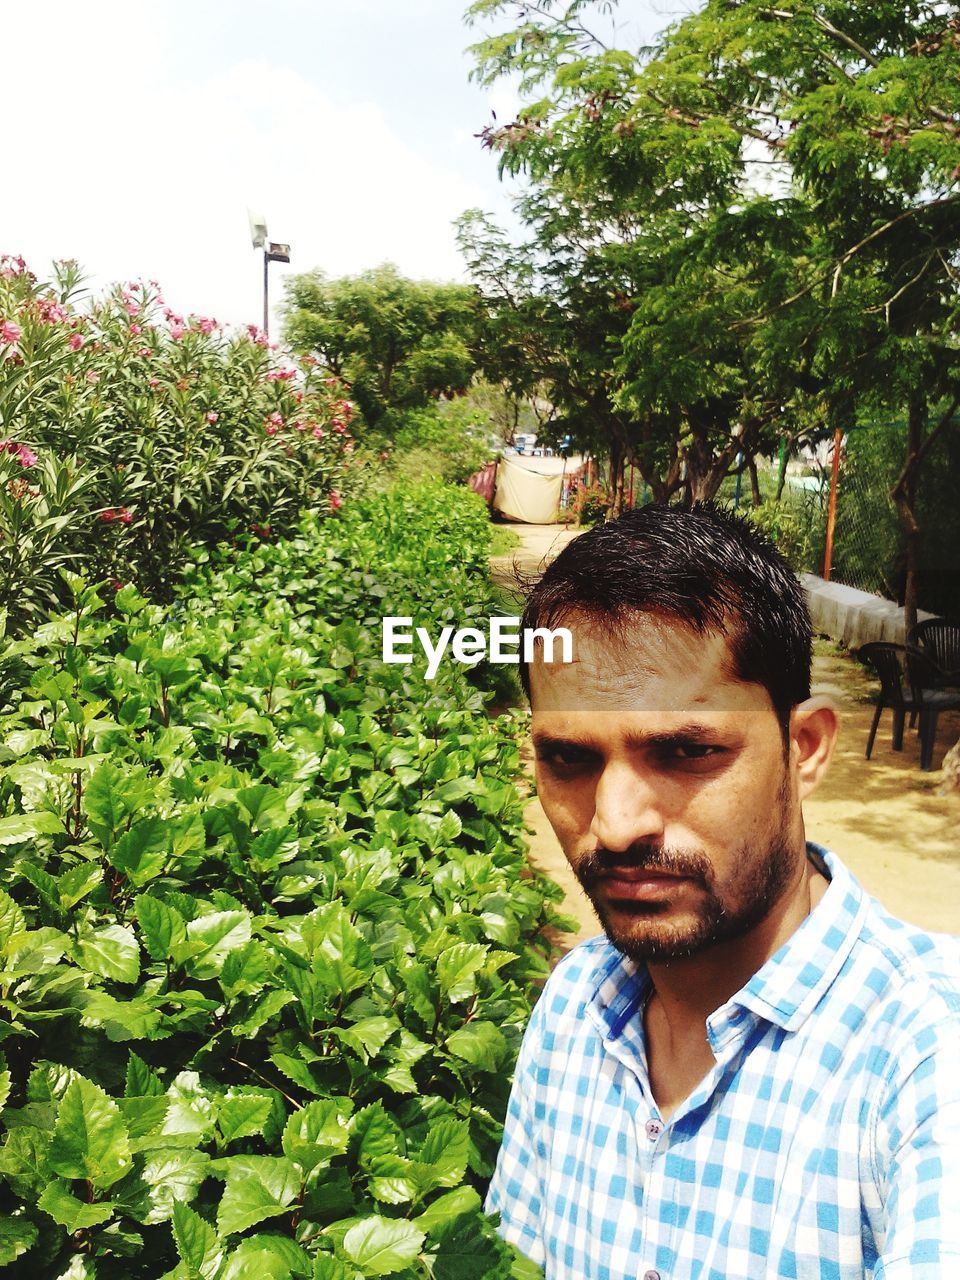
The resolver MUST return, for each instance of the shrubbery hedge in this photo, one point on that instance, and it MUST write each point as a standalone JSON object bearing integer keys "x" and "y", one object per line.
{"x": 268, "y": 938}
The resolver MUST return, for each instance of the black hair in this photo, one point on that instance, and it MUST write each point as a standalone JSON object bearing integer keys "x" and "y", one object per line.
{"x": 703, "y": 566}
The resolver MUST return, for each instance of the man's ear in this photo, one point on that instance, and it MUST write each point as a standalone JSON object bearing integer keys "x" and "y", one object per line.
{"x": 813, "y": 734}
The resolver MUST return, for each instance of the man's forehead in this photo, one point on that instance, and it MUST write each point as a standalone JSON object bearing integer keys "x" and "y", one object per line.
{"x": 644, "y": 660}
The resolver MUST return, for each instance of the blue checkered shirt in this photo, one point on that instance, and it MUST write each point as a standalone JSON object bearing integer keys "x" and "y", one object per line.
{"x": 824, "y": 1144}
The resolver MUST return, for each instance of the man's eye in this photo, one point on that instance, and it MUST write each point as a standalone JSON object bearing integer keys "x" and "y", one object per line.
{"x": 566, "y": 757}
{"x": 690, "y": 751}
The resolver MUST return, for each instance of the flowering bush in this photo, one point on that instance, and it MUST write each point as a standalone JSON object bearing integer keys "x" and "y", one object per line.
{"x": 172, "y": 431}
{"x": 590, "y": 504}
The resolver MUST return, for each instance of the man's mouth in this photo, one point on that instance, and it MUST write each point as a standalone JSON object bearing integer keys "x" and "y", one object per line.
{"x": 634, "y": 883}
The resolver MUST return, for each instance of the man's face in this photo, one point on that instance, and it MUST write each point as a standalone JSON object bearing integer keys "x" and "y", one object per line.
{"x": 666, "y": 781}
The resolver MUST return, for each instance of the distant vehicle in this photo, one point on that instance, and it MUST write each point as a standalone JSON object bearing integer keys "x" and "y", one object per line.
{"x": 524, "y": 441}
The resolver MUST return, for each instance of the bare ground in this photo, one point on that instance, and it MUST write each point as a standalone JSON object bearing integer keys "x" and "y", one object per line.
{"x": 883, "y": 817}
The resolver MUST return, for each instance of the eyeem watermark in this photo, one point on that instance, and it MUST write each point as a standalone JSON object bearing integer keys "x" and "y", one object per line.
{"x": 502, "y": 642}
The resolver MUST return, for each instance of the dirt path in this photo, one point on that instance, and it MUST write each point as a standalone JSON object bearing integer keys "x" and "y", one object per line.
{"x": 882, "y": 816}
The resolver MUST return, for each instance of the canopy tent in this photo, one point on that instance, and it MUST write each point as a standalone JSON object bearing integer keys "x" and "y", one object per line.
{"x": 529, "y": 489}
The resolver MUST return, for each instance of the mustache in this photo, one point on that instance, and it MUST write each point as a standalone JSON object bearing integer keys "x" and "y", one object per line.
{"x": 672, "y": 861}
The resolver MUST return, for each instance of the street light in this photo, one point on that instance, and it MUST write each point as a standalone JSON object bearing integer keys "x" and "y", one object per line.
{"x": 272, "y": 252}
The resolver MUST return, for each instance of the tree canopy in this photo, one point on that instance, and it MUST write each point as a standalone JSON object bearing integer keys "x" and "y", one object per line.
{"x": 745, "y": 232}
{"x": 398, "y": 342}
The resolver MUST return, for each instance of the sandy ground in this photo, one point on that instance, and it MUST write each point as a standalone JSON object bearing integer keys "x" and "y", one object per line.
{"x": 883, "y": 816}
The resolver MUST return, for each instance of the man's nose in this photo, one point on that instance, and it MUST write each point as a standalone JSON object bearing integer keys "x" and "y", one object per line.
{"x": 627, "y": 809}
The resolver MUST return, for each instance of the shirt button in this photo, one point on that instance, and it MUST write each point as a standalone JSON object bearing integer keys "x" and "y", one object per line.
{"x": 651, "y": 1275}
{"x": 653, "y": 1130}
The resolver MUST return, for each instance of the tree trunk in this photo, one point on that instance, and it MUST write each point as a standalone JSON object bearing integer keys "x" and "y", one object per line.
{"x": 615, "y": 478}
{"x": 904, "y": 494}
{"x": 755, "y": 494}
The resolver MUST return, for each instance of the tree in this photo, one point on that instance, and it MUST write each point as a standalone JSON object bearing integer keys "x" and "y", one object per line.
{"x": 398, "y": 342}
{"x": 847, "y": 301}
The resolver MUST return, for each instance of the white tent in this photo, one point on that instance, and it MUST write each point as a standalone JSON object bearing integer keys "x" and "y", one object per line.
{"x": 528, "y": 489}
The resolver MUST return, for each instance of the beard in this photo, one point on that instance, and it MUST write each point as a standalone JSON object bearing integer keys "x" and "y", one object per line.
{"x": 764, "y": 875}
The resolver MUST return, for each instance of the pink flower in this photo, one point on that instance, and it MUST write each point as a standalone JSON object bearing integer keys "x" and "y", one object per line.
{"x": 336, "y": 502}
{"x": 300, "y": 426}
{"x": 108, "y": 516}
{"x": 348, "y": 446}
{"x": 133, "y": 307}
{"x": 206, "y": 325}
{"x": 318, "y": 433}
{"x": 11, "y": 267}
{"x": 276, "y": 419}
{"x": 124, "y": 516}
{"x": 271, "y": 429}
{"x": 51, "y": 312}
{"x": 298, "y": 396}
{"x": 338, "y": 426}
{"x": 213, "y": 417}
{"x": 145, "y": 353}
{"x": 135, "y": 329}
{"x": 75, "y": 342}
{"x": 177, "y": 331}
{"x": 92, "y": 376}
{"x": 26, "y": 457}
{"x": 154, "y": 382}
{"x": 9, "y": 332}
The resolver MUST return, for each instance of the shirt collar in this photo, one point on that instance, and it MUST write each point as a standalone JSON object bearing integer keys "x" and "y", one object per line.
{"x": 785, "y": 991}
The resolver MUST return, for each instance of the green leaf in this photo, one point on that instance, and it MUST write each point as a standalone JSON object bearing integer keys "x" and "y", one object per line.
{"x": 457, "y": 968}
{"x": 12, "y": 921}
{"x": 110, "y": 952}
{"x": 142, "y": 1081}
{"x": 480, "y": 1043}
{"x": 219, "y": 933}
{"x": 379, "y": 1246}
{"x": 74, "y": 1214}
{"x": 196, "y": 1242}
{"x": 268, "y": 1254}
{"x": 447, "y": 1149}
{"x": 76, "y": 883}
{"x": 168, "y": 1177}
{"x": 243, "y": 1114}
{"x": 27, "y": 826}
{"x": 447, "y": 1208}
{"x": 17, "y": 1236}
{"x": 142, "y": 852}
{"x": 262, "y": 1187}
{"x": 89, "y": 1140}
{"x": 317, "y": 1133}
{"x": 163, "y": 927}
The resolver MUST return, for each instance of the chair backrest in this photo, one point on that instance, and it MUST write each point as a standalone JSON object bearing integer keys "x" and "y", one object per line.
{"x": 939, "y": 639}
{"x": 923, "y": 673}
{"x": 886, "y": 660}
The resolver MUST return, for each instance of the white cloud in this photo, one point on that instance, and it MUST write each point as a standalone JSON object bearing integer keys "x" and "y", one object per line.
{"x": 136, "y": 177}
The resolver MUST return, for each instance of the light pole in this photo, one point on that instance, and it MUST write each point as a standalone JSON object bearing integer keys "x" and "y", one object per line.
{"x": 272, "y": 252}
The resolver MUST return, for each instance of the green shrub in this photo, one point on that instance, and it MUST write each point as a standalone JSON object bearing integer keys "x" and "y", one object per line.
{"x": 268, "y": 935}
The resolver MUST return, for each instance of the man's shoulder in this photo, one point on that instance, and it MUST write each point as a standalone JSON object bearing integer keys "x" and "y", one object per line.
{"x": 592, "y": 969}
{"x": 917, "y": 961}
{"x": 906, "y": 975}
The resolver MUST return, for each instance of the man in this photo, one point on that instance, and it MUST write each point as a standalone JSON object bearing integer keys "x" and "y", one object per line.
{"x": 756, "y": 1071}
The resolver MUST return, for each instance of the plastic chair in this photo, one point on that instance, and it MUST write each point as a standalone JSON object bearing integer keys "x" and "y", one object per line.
{"x": 907, "y": 683}
{"x": 939, "y": 640}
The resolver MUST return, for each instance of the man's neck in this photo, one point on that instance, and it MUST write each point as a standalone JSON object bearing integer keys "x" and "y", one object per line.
{"x": 687, "y": 991}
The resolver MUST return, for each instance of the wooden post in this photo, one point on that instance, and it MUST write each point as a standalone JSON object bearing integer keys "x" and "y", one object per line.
{"x": 832, "y": 507}
{"x": 631, "y": 486}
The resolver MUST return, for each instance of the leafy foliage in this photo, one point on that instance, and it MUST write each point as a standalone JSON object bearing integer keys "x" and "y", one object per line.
{"x": 400, "y": 343}
{"x": 267, "y": 935}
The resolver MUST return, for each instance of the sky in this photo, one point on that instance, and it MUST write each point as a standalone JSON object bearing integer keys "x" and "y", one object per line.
{"x": 138, "y": 135}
